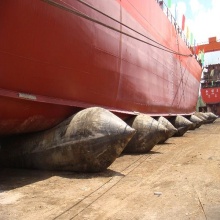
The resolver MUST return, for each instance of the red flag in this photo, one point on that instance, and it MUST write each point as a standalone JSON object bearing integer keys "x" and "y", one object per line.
{"x": 183, "y": 22}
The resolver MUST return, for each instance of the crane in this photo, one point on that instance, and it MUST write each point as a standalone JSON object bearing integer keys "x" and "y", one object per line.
{"x": 211, "y": 46}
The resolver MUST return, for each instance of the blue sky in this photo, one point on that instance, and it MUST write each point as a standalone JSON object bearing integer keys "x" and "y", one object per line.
{"x": 203, "y": 20}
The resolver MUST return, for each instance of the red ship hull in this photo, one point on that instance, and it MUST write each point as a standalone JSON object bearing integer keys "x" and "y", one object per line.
{"x": 54, "y": 63}
{"x": 211, "y": 95}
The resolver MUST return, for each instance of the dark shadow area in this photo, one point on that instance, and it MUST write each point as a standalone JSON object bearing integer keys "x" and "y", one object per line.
{"x": 140, "y": 154}
{"x": 164, "y": 144}
{"x": 183, "y": 136}
{"x": 16, "y": 178}
{"x": 75, "y": 175}
{"x": 154, "y": 152}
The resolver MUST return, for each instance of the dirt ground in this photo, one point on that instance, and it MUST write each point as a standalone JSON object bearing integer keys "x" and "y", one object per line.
{"x": 177, "y": 180}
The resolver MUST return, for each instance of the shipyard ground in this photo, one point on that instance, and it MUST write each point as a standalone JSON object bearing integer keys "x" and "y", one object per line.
{"x": 177, "y": 180}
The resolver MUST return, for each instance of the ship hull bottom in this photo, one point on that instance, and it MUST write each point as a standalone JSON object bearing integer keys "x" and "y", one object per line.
{"x": 22, "y": 116}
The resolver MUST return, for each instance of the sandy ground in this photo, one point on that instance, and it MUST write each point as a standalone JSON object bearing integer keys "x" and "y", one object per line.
{"x": 177, "y": 180}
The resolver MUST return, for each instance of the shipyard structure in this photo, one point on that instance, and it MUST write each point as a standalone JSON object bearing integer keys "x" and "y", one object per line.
{"x": 210, "y": 82}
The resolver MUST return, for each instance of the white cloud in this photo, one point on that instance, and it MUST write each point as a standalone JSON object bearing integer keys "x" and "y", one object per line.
{"x": 196, "y": 6}
{"x": 202, "y": 20}
{"x": 181, "y": 7}
{"x": 204, "y": 23}
{"x": 213, "y": 57}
